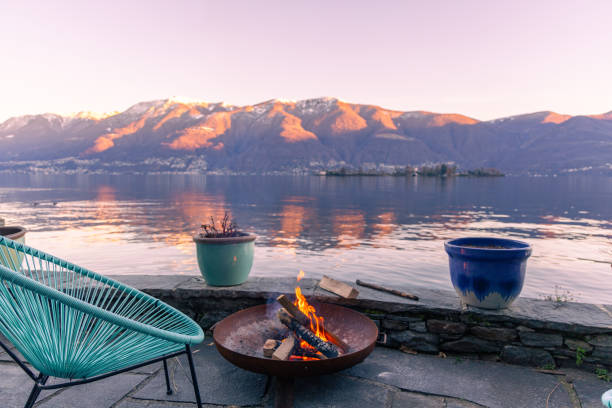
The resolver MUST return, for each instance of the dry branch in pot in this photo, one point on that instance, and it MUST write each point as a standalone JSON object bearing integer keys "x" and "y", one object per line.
{"x": 227, "y": 228}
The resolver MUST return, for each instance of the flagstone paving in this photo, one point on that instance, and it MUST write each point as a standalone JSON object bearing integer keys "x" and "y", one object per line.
{"x": 388, "y": 378}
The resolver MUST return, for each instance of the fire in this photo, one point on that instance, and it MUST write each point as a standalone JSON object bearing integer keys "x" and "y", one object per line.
{"x": 316, "y": 322}
{"x": 302, "y": 358}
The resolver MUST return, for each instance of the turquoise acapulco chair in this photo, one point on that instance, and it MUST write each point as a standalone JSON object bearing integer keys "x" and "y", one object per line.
{"x": 71, "y": 323}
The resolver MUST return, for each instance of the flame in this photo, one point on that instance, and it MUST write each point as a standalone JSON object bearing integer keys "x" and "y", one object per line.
{"x": 302, "y": 358}
{"x": 316, "y": 322}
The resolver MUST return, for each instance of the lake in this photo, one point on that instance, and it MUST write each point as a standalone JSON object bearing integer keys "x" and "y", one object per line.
{"x": 388, "y": 230}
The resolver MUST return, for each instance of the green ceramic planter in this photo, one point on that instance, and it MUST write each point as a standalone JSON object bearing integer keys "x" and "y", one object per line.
{"x": 225, "y": 261}
{"x": 9, "y": 257}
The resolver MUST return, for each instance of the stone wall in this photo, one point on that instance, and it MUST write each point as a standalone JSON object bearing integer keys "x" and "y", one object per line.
{"x": 473, "y": 335}
{"x": 531, "y": 332}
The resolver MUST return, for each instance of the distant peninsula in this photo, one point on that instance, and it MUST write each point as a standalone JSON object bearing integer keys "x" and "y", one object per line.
{"x": 438, "y": 170}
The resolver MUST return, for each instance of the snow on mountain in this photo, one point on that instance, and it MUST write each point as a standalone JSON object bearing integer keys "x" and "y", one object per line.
{"x": 280, "y": 135}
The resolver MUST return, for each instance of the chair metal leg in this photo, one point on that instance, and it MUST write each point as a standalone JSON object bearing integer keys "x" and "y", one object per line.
{"x": 194, "y": 379}
{"x": 41, "y": 380}
{"x": 33, "y": 395}
{"x": 168, "y": 388}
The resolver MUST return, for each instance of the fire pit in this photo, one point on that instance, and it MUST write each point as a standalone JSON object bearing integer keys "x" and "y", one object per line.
{"x": 240, "y": 339}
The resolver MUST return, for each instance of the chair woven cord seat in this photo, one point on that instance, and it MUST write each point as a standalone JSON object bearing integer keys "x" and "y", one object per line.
{"x": 70, "y": 322}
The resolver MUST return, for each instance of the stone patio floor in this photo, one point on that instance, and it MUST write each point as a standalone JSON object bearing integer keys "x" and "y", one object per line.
{"x": 387, "y": 378}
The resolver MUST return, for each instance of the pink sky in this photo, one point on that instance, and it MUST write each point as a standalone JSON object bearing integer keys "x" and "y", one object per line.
{"x": 485, "y": 59}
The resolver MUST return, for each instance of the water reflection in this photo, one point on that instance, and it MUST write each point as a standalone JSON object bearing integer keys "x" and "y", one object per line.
{"x": 383, "y": 228}
{"x": 349, "y": 227}
{"x": 292, "y": 219}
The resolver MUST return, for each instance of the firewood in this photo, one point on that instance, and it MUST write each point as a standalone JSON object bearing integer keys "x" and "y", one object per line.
{"x": 383, "y": 289}
{"x": 284, "y": 351}
{"x": 305, "y": 321}
{"x": 309, "y": 353}
{"x": 270, "y": 346}
{"x": 328, "y": 349}
{"x": 339, "y": 288}
{"x": 293, "y": 310}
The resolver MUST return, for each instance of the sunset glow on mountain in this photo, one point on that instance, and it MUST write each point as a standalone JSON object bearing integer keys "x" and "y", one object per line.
{"x": 310, "y": 134}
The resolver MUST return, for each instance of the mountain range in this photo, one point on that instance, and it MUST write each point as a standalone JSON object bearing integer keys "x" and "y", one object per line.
{"x": 285, "y": 136}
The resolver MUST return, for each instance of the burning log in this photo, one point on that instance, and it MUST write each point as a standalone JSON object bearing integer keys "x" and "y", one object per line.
{"x": 305, "y": 320}
{"x": 293, "y": 310}
{"x": 327, "y": 349}
{"x": 285, "y": 350}
{"x": 307, "y": 353}
{"x": 270, "y": 347}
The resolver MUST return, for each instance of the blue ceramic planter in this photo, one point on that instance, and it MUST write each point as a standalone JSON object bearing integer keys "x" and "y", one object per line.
{"x": 487, "y": 272}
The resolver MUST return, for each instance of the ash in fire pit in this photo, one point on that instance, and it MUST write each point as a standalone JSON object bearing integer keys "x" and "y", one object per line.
{"x": 249, "y": 338}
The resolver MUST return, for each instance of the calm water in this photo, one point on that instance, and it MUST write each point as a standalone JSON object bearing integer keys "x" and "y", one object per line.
{"x": 385, "y": 229}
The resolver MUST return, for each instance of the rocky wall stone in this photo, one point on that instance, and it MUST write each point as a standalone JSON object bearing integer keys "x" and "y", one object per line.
{"x": 500, "y": 334}
{"x": 535, "y": 339}
{"x": 399, "y": 322}
{"x": 470, "y": 344}
{"x": 424, "y": 342}
{"x": 574, "y": 344}
{"x": 603, "y": 340}
{"x": 445, "y": 327}
{"x": 418, "y": 327}
{"x": 603, "y": 354}
{"x": 530, "y": 332}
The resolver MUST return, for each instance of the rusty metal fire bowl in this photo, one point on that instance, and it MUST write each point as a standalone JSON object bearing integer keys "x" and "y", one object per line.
{"x": 240, "y": 338}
